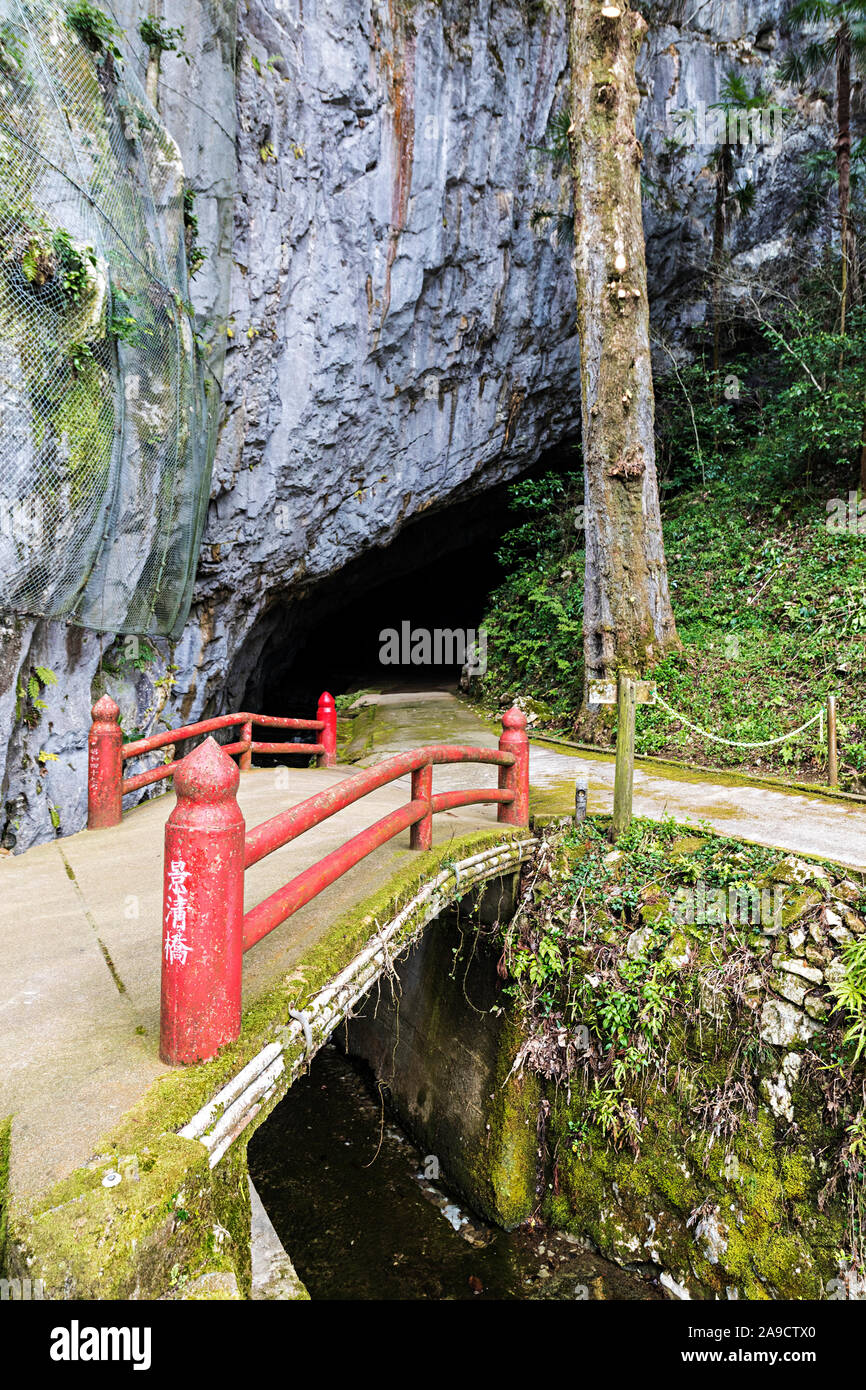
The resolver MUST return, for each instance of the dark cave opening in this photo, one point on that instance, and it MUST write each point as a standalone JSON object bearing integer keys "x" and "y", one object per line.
{"x": 434, "y": 577}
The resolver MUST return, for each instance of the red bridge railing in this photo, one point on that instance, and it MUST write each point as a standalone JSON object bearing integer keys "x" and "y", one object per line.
{"x": 208, "y": 849}
{"x": 107, "y": 786}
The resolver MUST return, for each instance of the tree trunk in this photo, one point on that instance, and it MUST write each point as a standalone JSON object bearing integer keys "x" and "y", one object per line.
{"x": 154, "y": 55}
{"x": 628, "y": 621}
{"x": 843, "y": 159}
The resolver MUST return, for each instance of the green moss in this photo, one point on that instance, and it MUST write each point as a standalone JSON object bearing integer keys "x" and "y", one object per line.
{"x": 5, "y": 1148}
{"x": 775, "y": 1243}
{"x": 143, "y": 1238}
{"x": 681, "y": 1164}
{"x": 510, "y": 1159}
{"x": 82, "y": 417}
{"x": 230, "y": 1237}
{"x": 801, "y": 903}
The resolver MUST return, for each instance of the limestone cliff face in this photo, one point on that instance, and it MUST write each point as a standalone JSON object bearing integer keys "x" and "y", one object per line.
{"x": 682, "y": 69}
{"x": 396, "y": 335}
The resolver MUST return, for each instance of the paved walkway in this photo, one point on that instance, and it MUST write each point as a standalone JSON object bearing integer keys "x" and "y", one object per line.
{"x": 793, "y": 820}
{"x": 80, "y": 964}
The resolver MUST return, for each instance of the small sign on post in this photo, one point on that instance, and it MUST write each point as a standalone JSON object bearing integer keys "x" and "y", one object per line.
{"x": 602, "y": 692}
{"x": 627, "y": 693}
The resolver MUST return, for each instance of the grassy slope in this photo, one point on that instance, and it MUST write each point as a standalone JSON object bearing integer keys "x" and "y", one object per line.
{"x": 770, "y": 608}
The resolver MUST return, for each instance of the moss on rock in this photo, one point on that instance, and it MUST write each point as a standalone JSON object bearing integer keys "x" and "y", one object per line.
{"x": 5, "y": 1146}
{"x": 691, "y": 1138}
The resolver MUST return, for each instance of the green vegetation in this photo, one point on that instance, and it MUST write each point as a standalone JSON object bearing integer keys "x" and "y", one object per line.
{"x": 850, "y": 993}
{"x": 157, "y": 34}
{"x": 650, "y": 1029}
{"x": 29, "y": 703}
{"x": 195, "y": 254}
{"x": 93, "y": 27}
{"x": 12, "y": 48}
{"x": 767, "y": 572}
{"x": 72, "y": 263}
{"x": 5, "y": 1145}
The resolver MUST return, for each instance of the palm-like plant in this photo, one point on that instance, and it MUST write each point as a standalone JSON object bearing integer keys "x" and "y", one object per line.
{"x": 558, "y": 151}
{"x": 841, "y": 43}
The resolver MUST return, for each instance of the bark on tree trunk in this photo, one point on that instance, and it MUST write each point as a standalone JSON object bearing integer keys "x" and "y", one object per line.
{"x": 628, "y": 622}
{"x": 843, "y": 159}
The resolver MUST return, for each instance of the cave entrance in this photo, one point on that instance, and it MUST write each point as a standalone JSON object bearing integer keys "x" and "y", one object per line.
{"x": 435, "y": 576}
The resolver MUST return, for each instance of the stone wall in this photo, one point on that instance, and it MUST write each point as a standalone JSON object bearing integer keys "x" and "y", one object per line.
{"x": 703, "y": 1105}
{"x": 441, "y": 1049}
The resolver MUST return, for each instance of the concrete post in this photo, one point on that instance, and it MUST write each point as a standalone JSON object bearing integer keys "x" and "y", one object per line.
{"x": 327, "y": 712}
{"x": 104, "y": 766}
{"x": 421, "y": 834}
{"x": 581, "y": 789}
{"x": 203, "y": 909}
{"x": 515, "y": 778}
{"x": 832, "y": 749}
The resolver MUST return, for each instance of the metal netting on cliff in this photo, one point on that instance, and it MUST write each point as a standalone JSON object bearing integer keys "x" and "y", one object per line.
{"x": 104, "y": 457}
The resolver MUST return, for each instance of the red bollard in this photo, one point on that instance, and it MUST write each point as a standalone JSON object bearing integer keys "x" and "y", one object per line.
{"x": 245, "y": 761}
{"x": 421, "y": 833}
{"x": 515, "y": 778}
{"x": 104, "y": 766}
{"x": 327, "y": 712}
{"x": 203, "y": 909}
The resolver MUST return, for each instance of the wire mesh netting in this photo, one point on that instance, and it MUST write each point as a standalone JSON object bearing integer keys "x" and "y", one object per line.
{"x": 104, "y": 443}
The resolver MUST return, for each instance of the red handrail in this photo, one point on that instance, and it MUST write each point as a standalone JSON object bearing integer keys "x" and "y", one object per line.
{"x": 207, "y": 850}
{"x": 107, "y": 786}
{"x": 285, "y": 827}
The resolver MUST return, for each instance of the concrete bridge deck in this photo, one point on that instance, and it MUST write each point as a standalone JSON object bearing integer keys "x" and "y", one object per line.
{"x": 80, "y": 962}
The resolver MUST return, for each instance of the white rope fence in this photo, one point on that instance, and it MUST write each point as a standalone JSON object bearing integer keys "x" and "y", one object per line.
{"x": 737, "y": 743}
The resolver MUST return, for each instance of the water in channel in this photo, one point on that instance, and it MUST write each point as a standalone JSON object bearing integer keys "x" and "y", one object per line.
{"x": 353, "y": 1203}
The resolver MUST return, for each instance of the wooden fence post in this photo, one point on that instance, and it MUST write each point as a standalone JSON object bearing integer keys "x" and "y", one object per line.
{"x": 624, "y": 775}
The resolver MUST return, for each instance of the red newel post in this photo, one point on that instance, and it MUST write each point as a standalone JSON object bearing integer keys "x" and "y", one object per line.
{"x": 245, "y": 761}
{"x": 421, "y": 833}
{"x": 327, "y": 712}
{"x": 203, "y": 909}
{"x": 515, "y": 778}
{"x": 104, "y": 766}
